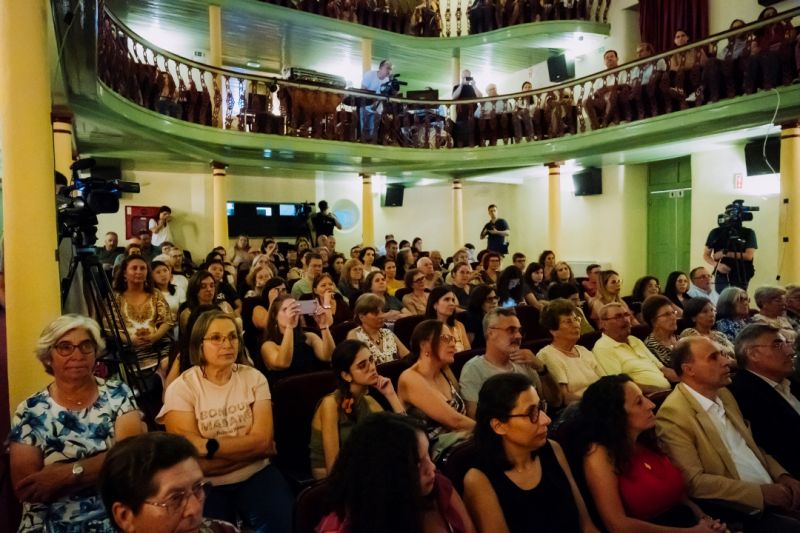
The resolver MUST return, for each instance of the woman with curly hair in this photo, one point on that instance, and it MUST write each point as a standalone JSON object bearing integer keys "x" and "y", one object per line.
{"x": 620, "y": 451}
{"x": 339, "y": 412}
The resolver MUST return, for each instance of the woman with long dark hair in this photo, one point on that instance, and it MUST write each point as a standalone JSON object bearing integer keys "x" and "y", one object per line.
{"x": 548, "y": 261}
{"x": 509, "y": 287}
{"x": 534, "y": 288}
{"x": 339, "y": 412}
{"x": 442, "y": 306}
{"x": 483, "y": 299}
{"x": 676, "y": 288}
{"x": 384, "y": 481}
{"x": 522, "y": 481}
{"x": 620, "y": 451}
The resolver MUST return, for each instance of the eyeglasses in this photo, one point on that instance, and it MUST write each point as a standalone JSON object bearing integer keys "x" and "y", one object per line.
{"x": 618, "y": 317}
{"x": 704, "y": 276}
{"x": 218, "y": 339}
{"x": 447, "y": 339}
{"x": 777, "y": 344}
{"x": 533, "y": 412}
{"x": 176, "y": 502}
{"x": 667, "y": 314}
{"x": 419, "y": 280}
{"x": 570, "y": 319}
{"x": 366, "y": 363}
{"x": 66, "y": 348}
{"x": 511, "y": 330}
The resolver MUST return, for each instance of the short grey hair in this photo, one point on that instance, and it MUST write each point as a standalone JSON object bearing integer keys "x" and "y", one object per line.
{"x": 59, "y": 327}
{"x": 726, "y": 304}
{"x": 367, "y": 303}
{"x": 748, "y": 337}
{"x": 491, "y": 318}
{"x": 767, "y": 293}
{"x": 603, "y": 313}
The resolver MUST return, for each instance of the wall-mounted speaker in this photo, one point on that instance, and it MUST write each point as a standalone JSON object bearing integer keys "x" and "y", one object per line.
{"x": 588, "y": 182}
{"x": 560, "y": 68}
{"x": 393, "y": 196}
{"x": 754, "y": 156}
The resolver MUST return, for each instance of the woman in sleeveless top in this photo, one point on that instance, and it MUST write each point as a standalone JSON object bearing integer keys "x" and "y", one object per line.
{"x": 619, "y": 450}
{"x": 339, "y": 412}
{"x": 429, "y": 390}
{"x": 521, "y": 482}
{"x": 442, "y": 305}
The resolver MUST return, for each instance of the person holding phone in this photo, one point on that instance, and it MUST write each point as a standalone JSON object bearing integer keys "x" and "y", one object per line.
{"x": 287, "y": 350}
{"x": 465, "y": 113}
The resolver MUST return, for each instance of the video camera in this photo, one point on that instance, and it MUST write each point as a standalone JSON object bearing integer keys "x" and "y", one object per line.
{"x": 391, "y": 86}
{"x": 77, "y": 213}
{"x": 736, "y": 213}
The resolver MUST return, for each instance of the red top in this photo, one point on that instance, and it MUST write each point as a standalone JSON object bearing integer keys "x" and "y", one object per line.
{"x": 651, "y": 486}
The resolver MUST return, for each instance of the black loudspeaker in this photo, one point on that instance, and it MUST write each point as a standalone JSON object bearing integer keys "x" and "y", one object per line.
{"x": 560, "y": 68}
{"x": 754, "y": 156}
{"x": 588, "y": 182}
{"x": 393, "y": 196}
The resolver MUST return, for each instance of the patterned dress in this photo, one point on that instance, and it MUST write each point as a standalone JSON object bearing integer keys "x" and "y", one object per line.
{"x": 63, "y": 435}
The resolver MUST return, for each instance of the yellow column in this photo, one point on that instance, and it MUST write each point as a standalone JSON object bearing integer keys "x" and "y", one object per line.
{"x": 367, "y": 212}
{"x": 219, "y": 212}
{"x": 29, "y": 216}
{"x": 789, "y": 211}
{"x": 455, "y": 63}
{"x": 366, "y": 55}
{"x": 458, "y": 214}
{"x": 553, "y": 205}
{"x": 215, "y": 53}
{"x": 62, "y": 140}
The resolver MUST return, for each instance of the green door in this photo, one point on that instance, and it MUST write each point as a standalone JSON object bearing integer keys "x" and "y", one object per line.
{"x": 669, "y": 217}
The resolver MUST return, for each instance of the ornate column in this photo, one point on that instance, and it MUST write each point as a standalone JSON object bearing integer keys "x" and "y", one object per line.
{"x": 789, "y": 210}
{"x": 32, "y": 295}
{"x": 367, "y": 212}
{"x": 219, "y": 212}
{"x": 61, "y": 119}
{"x": 553, "y": 205}
{"x": 458, "y": 214}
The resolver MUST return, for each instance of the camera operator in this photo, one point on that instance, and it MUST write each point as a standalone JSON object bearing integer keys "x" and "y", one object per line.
{"x": 371, "y": 112}
{"x": 731, "y": 248}
{"x": 465, "y": 113}
{"x": 324, "y": 221}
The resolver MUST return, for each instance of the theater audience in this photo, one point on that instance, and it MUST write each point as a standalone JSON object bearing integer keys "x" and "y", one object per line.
{"x": 483, "y": 299}
{"x": 225, "y": 289}
{"x": 339, "y": 412}
{"x": 771, "y": 302}
{"x": 162, "y": 281}
{"x": 384, "y": 480}
{"x": 733, "y": 312}
{"x": 392, "y": 283}
{"x": 429, "y": 389}
{"x": 562, "y": 273}
{"x": 634, "y": 485}
{"x": 382, "y": 343}
{"x": 589, "y": 285}
{"x": 416, "y": 300}
{"x": 609, "y": 289}
{"x": 256, "y": 279}
{"x": 312, "y": 265}
{"x": 367, "y": 257}
{"x": 509, "y": 287}
{"x": 793, "y": 306}
{"x": 548, "y": 261}
{"x": 619, "y": 352}
{"x": 502, "y": 355}
{"x": 442, "y": 306}
{"x": 461, "y": 283}
{"x": 644, "y": 287}
{"x": 660, "y": 314}
{"x": 572, "y": 366}
{"x": 569, "y": 292}
{"x": 376, "y": 284}
{"x": 180, "y": 361}
{"x": 60, "y": 436}
{"x": 768, "y": 398}
{"x": 521, "y": 481}
{"x": 490, "y": 267}
{"x": 405, "y": 262}
{"x": 700, "y": 286}
{"x": 676, "y": 289}
{"x": 202, "y": 290}
{"x": 433, "y": 278}
{"x": 701, "y": 314}
{"x": 288, "y": 350}
{"x": 704, "y": 433}
{"x": 254, "y": 314}
{"x": 223, "y": 406}
{"x": 153, "y": 482}
{"x": 324, "y": 293}
{"x": 534, "y": 287}
{"x": 351, "y": 279}
{"x": 772, "y": 50}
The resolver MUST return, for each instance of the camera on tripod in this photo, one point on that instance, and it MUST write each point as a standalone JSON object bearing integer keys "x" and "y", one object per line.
{"x": 391, "y": 86}
{"x": 96, "y": 194}
{"x": 736, "y": 213}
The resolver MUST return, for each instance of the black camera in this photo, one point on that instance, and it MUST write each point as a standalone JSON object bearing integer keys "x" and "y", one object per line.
{"x": 736, "y": 213}
{"x": 392, "y": 86}
{"x": 77, "y": 213}
{"x": 468, "y": 78}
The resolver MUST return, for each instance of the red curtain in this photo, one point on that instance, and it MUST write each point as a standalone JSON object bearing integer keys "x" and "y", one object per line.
{"x": 659, "y": 19}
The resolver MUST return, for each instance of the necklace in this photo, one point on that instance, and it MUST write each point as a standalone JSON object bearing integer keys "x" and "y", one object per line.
{"x": 63, "y": 396}
{"x": 573, "y": 352}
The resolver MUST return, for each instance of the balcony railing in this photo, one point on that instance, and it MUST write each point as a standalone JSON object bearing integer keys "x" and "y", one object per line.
{"x": 754, "y": 57}
{"x": 451, "y": 18}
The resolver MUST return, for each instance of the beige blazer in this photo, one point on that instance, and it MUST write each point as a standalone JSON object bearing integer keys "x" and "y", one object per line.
{"x": 695, "y": 446}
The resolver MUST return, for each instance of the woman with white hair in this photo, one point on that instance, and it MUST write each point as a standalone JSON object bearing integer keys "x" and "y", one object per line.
{"x": 771, "y": 302}
{"x": 59, "y": 436}
{"x": 733, "y": 312}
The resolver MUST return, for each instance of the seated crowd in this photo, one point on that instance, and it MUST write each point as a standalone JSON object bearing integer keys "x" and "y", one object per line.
{"x": 475, "y": 361}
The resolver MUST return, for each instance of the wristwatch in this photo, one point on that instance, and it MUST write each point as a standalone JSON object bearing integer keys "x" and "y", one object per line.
{"x": 212, "y": 445}
{"x": 77, "y": 470}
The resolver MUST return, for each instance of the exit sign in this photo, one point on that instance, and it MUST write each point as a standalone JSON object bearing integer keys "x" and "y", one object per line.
{"x": 738, "y": 181}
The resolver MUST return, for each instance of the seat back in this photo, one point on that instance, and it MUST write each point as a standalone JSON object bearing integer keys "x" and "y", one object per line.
{"x": 641, "y": 331}
{"x": 393, "y": 369}
{"x": 458, "y": 462}
{"x": 294, "y": 400}
{"x": 529, "y": 320}
{"x": 339, "y": 331}
{"x": 588, "y": 340}
{"x": 461, "y": 359}
{"x": 405, "y": 326}
{"x": 310, "y": 506}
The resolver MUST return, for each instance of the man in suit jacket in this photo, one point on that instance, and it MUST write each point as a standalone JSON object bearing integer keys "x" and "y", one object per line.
{"x": 705, "y": 435}
{"x": 769, "y": 400}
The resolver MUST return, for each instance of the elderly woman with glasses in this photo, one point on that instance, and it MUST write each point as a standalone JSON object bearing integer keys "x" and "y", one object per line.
{"x": 660, "y": 314}
{"x": 733, "y": 312}
{"x": 430, "y": 391}
{"x": 521, "y": 480}
{"x": 572, "y": 366}
{"x": 59, "y": 436}
{"x": 223, "y": 407}
{"x": 416, "y": 301}
{"x": 771, "y": 302}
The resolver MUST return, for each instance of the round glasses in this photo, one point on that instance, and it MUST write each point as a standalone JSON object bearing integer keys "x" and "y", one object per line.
{"x": 218, "y": 339}
{"x": 176, "y": 502}
{"x": 533, "y": 412}
{"x": 66, "y": 348}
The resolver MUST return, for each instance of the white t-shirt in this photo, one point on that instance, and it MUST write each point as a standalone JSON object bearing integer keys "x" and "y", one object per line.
{"x": 161, "y": 236}
{"x": 372, "y": 82}
{"x": 220, "y": 410}
{"x": 577, "y": 373}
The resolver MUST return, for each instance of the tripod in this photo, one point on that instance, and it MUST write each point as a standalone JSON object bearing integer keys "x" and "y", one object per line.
{"x": 120, "y": 356}
{"x": 732, "y": 242}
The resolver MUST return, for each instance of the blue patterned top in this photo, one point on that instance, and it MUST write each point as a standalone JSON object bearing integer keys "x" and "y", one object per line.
{"x": 730, "y": 327}
{"x": 63, "y": 435}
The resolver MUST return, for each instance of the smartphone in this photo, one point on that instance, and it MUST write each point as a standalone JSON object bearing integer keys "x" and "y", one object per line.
{"x": 307, "y": 307}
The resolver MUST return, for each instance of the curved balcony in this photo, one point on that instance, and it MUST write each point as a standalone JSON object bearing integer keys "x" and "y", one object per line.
{"x": 254, "y": 121}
